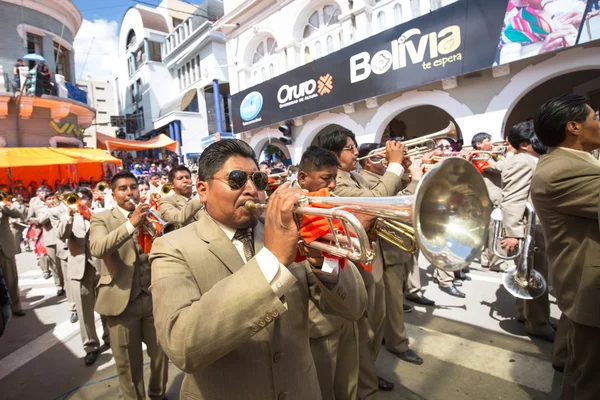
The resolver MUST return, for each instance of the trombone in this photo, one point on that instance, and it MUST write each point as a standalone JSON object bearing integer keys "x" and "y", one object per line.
{"x": 447, "y": 218}
{"x": 416, "y": 146}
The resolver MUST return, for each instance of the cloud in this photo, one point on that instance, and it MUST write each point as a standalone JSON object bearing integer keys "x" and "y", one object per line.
{"x": 100, "y": 39}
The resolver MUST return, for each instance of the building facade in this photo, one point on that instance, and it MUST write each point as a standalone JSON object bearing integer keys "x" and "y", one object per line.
{"x": 100, "y": 96}
{"x": 168, "y": 62}
{"x": 341, "y": 37}
{"x": 58, "y": 114}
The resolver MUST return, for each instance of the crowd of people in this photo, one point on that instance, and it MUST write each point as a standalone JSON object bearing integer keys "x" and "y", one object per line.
{"x": 231, "y": 296}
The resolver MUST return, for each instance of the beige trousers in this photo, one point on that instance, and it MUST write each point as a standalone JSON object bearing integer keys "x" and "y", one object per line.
{"x": 336, "y": 361}
{"x": 394, "y": 331}
{"x": 412, "y": 282}
{"x": 127, "y": 332}
{"x": 370, "y": 337}
{"x": 84, "y": 294}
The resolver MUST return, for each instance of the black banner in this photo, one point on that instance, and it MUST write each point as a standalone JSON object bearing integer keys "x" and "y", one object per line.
{"x": 464, "y": 37}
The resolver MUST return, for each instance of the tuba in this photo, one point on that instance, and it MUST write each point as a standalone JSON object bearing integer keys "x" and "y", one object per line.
{"x": 521, "y": 280}
{"x": 417, "y": 146}
{"x": 446, "y": 218}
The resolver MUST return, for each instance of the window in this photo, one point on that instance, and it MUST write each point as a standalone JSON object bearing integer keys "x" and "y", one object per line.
{"x": 322, "y": 18}
{"x": 130, "y": 39}
{"x": 101, "y": 101}
{"x": 176, "y": 22}
{"x": 264, "y": 50}
{"x": 307, "y": 57}
{"x": 381, "y": 20}
{"x": 329, "y": 44}
{"x": 154, "y": 48}
{"x": 102, "y": 112}
{"x": 397, "y": 14}
{"x": 130, "y": 66}
{"x": 140, "y": 57}
{"x": 99, "y": 88}
{"x": 34, "y": 45}
{"x": 141, "y": 119}
{"x": 132, "y": 91}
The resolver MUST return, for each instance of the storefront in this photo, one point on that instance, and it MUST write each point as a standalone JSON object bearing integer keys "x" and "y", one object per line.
{"x": 473, "y": 62}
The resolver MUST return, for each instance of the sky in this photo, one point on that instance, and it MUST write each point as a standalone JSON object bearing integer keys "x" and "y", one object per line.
{"x": 96, "y": 43}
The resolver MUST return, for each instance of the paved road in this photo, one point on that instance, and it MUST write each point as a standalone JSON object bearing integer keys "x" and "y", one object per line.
{"x": 473, "y": 348}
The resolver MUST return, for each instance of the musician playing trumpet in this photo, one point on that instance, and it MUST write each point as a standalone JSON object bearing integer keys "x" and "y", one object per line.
{"x": 182, "y": 207}
{"x": 516, "y": 184}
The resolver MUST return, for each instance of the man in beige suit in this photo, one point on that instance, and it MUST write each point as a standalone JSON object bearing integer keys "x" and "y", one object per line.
{"x": 74, "y": 228}
{"x": 493, "y": 182}
{"x": 564, "y": 191}
{"x": 397, "y": 264}
{"x": 8, "y": 249}
{"x": 516, "y": 183}
{"x": 234, "y": 321}
{"x": 17, "y": 225}
{"x": 123, "y": 290}
{"x": 181, "y": 206}
{"x": 50, "y": 238}
{"x": 333, "y": 339}
{"x": 36, "y": 204}
{"x": 342, "y": 143}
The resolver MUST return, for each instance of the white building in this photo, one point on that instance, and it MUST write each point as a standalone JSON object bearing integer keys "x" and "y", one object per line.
{"x": 166, "y": 59}
{"x": 266, "y": 39}
{"x": 100, "y": 96}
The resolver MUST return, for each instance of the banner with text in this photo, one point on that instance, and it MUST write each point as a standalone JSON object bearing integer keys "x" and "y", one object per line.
{"x": 464, "y": 37}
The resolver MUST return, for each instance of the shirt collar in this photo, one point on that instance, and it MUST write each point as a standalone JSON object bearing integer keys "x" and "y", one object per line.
{"x": 580, "y": 153}
{"x": 230, "y": 232}
{"x": 124, "y": 212}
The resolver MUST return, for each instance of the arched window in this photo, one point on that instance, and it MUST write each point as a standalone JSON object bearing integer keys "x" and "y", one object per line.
{"x": 264, "y": 50}
{"x": 322, "y": 18}
{"x": 381, "y": 20}
{"x": 130, "y": 39}
{"x": 397, "y": 14}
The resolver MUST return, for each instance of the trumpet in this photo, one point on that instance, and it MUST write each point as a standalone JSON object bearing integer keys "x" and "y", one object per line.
{"x": 446, "y": 218}
{"x": 155, "y": 226}
{"x": 71, "y": 200}
{"x": 101, "y": 187}
{"x": 482, "y": 155}
{"x": 521, "y": 280}
{"x": 165, "y": 189}
{"x": 416, "y": 146}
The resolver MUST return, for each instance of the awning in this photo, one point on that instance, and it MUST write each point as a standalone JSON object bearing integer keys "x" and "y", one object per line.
{"x": 161, "y": 141}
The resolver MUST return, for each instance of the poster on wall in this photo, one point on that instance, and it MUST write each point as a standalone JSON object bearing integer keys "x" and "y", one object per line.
{"x": 463, "y": 37}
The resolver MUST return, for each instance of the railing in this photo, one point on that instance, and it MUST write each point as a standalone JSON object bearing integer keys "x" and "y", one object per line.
{"x": 322, "y": 44}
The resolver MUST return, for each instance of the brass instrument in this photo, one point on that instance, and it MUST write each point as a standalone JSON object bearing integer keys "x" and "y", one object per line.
{"x": 155, "y": 226}
{"x": 447, "y": 217}
{"x": 165, "y": 189}
{"x": 3, "y": 196}
{"x": 416, "y": 146}
{"x": 482, "y": 155}
{"x": 521, "y": 280}
{"x": 71, "y": 200}
{"x": 101, "y": 187}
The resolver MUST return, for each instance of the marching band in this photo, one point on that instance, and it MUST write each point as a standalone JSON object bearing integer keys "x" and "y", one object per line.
{"x": 260, "y": 287}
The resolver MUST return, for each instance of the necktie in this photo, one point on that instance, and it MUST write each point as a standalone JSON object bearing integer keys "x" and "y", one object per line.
{"x": 245, "y": 236}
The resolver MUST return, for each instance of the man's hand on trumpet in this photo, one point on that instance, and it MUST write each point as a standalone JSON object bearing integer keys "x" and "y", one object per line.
{"x": 394, "y": 151}
{"x": 281, "y": 231}
{"x": 466, "y": 153}
{"x": 416, "y": 170}
{"x": 427, "y": 158}
{"x": 139, "y": 214}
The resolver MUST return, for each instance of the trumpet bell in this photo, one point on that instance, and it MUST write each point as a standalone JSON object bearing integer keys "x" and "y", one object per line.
{"x": 71, "y": 200}
{"x": 101, "y": 187}
{"x": 3, "y": 196}
{"x": 451, "y": 214}
{"x": 526, "y": 289}
{"x": 166, "y": 189}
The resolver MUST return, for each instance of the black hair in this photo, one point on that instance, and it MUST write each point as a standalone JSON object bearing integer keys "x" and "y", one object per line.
{"x": 553, "y": 116}
{"x": 264, "y": 162}
{"x": 179, "y": 168}
{"x": 316, "y": 158}
{"x": 336, "y": 140}
{"x": 84, "y": 191}
{"x": 48, "y": 194}
{"x": 479, "y": 138}
{"x": 121, "y": 175}
{"x": 278, "y": 171}
{"x": 64, "y": 189}
{"x": 365, "y": 149}
{"x": 216, "y": 155}
{"x": 152, "y": 175}
{"x": 522, "y": 132}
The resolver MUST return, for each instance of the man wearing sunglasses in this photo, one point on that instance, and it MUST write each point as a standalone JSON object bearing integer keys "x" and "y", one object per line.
{"x": 231, "y": 305}
{"x": 342, "y": 143}
{"x": 182, "y": 206}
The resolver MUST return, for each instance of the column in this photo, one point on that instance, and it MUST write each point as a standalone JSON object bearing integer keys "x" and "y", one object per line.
{"x": 217, "y": 101}
{"x": 171, "y": 132}
{"x": 146, "y": 50}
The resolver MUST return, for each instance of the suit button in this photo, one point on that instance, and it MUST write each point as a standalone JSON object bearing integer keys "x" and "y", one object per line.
{"x": 282, "y": 396}
{"x": 254, "y": 328}
{"x": 277, "y": 357}
{"x": 268, "y": 318}
{"x": 275, "y": 314}
{"x": 262, "y": 323}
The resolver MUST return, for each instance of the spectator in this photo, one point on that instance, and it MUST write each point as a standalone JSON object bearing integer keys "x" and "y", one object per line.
{"x": 137, "y": 170}
{"x": 16, "y": 73}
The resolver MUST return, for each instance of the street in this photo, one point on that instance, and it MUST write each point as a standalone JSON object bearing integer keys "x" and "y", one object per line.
{"x": 473, "y": 348}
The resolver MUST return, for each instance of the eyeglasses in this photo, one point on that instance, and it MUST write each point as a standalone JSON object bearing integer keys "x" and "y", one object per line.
{"x": 237, "y": 179}
{"x": 350, "y": 148}
{"x": 442, "y": 147}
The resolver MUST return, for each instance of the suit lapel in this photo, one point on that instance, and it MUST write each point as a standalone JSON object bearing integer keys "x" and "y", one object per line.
{"x": 218, "y": 243}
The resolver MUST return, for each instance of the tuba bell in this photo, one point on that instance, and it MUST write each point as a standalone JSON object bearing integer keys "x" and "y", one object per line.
{"x": 447, "y": 217}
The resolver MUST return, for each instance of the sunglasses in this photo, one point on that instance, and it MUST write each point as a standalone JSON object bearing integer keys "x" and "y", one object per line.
{"x": 237, "y": 179}
{"x": 447, "y": 147}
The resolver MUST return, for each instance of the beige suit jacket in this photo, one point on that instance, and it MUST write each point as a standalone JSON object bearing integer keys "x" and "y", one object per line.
{"x": 50, "y": 236}
{"x": 178, "y": 208}
{"x": 55, "y": 213}
{"x": 8, "y": 246}
{"x": 35, "y": 206}
{"x": 219, "y": 320}
{"x": 564, "y": 191}
{"x": 516, "y": 183}
{"x": 76, "y": 231}
{"x": 493, "y": 180}
{"x": 118, "y": 250}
